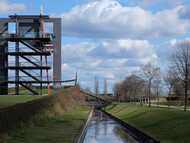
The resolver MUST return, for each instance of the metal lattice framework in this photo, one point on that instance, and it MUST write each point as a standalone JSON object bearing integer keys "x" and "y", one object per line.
{"x": 31, "y": 51}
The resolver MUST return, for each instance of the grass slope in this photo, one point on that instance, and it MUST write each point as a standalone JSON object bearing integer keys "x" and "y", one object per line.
{"x": 166, "y": 125}
{"x": 60, "y": 129}
{"x": 11, "y": 100}
{"x": 24, "y": 91}
{"x": 59, "y": 122}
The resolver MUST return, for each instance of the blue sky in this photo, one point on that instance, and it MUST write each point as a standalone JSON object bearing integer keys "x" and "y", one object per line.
{"x": 111, "y": 39}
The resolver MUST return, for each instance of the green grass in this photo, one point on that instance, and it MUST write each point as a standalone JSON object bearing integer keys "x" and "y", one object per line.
{"x": 26, "y": 92}
{"x": 166, "y": 125}
{"x": 23, "y": 97}
{"x": 61, "y": 129}
{"x": 11, "y": 100}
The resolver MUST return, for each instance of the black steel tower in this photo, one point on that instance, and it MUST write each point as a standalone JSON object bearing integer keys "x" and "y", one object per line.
{"x": 31, "y": 51}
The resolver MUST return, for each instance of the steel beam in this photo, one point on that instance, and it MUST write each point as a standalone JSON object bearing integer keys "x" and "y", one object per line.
{"x": 3, "y": 60}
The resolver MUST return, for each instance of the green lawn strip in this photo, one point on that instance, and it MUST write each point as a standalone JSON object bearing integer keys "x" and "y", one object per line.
{"x": 166, "y": 125}
{"x": 61, "y": 129}
{"x": 11, "y": 100}
{"x": 24, "y": 91}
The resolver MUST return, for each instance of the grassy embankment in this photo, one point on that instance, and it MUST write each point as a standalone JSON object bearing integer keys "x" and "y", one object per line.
{"x": 59, "y": 129}
{"x": 11, "y": 100}
{"x": 166, "y": 125}
{"x": 61, "y": 123}
{"x": 24, "y": 91}
{"x": 23, "y": 97}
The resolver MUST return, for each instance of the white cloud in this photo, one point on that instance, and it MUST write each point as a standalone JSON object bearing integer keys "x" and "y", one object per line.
{"x": 159, "y": 4}
{"x": 6, "y": 6}
{"x": 110, "y": 19}
{"x": 75, "y": 53}
{"x": 166, "y": 50}
{"x": 135, "y": 51}
{"x": 173, "y": 42}
{"x": 185, "y": 12}
{"x": 110, "y": 59}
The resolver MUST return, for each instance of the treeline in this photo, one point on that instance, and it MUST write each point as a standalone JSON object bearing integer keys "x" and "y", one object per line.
{"x": 148, "y": 82}
{"x": 143, "y": 86}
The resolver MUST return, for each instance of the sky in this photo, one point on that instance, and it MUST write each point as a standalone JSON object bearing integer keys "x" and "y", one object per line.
{"x": 111, "y": 39}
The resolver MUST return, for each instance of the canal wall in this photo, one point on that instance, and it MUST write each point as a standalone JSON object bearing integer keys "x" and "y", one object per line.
{"x": 82, "y": 134}
{"x": 140, "y": 136}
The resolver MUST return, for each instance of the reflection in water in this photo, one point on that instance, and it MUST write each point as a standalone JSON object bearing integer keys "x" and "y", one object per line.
{"x": 102, "y": 129}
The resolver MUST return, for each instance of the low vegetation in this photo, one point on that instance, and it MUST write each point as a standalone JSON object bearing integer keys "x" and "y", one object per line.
{"x": 23, "y": 91}
{"x": 48, "y": 119}
{"x": 59, "y": 129}
{"x": 164, "y": 124}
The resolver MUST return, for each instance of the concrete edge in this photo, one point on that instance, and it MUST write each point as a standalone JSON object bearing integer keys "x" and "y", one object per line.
{"x": 80, "y": 138}
{"x": 140, "y": 136}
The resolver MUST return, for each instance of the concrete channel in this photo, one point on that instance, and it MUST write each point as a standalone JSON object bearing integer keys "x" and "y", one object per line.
{"x": 101, "y": 127}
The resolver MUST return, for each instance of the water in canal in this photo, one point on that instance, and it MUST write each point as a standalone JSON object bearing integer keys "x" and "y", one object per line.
{"x": 102, "y": 129}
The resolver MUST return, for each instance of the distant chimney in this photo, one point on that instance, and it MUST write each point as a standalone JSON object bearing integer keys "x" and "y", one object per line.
{"x": 41, "y": 9}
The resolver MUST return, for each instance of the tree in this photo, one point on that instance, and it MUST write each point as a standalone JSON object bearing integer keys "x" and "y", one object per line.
{"x": 120, "y": 91}
{"x": 134, "y": 85}
{"x": 117, "y": 91}
{"x": 132, "y": 88}
{"x": 181, "y": 65}
{"x": 170, "y": 80}
{"x": 150, "y": 72}
{"x": 157, "y": 87}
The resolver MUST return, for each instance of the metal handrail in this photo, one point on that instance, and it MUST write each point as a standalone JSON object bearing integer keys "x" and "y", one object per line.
{"x": 22, "y": 63}
{"x": 13, "y": 77}
{"x": 28, "y": 35}
{"x": 21, "y": 49}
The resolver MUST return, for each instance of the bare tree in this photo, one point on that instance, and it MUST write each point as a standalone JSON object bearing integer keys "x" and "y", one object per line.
{"x": 150, "y": 72}
{"x": 181, "y": 65}
{"x": 130, "y": 89}
{"x": 174, "y": 83}
{"x": 157, "y": 87}
{"x": 116, "y": 91}
{"x": 135, "y": 86}
{"x": 170, "y": 80}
